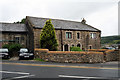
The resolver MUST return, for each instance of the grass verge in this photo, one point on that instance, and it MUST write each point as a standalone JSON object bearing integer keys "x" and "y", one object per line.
{"x": 38, "y": 59}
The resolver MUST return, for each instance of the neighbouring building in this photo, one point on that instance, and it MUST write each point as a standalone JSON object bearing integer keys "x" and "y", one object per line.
{"x": 68, "y": 33}
{"x": 13, "y": 33}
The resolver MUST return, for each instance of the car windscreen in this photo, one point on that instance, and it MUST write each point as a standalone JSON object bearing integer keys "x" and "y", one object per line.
{"x": 3, "y": 50}
{"x": 23, "y": 50}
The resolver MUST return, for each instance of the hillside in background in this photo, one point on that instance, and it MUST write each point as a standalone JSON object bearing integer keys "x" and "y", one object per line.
{"x": 110, "y": 40}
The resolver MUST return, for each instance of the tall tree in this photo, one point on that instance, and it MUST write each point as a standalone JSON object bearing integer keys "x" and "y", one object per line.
{"x": 48, "y": 37}
{"x": 22, "y": 21}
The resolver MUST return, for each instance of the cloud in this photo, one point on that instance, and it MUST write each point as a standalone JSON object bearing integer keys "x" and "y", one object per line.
{"x": 106, "y": 20}
{"x": 97, "y": 12}
{"x": 119, "y": 18}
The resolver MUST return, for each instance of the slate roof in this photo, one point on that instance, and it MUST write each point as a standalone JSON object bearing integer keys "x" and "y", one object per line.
{"x": 12, "y": 27}
{"x": 61, "y": 24}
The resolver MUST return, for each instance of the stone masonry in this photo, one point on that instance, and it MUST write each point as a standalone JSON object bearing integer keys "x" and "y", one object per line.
{"x": 85, "y": 40}
{"x": 68, "y": 33}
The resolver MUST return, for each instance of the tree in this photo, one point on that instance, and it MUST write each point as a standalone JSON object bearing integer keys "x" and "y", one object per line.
{"x": 22, "y": 21}
{"x": 116, "y": 41}
{"x": 47, "y": 37}
{"x": 13, "y": 48}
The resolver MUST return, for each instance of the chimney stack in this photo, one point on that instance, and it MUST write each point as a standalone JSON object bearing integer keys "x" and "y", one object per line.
{"x": 83, "y": 21}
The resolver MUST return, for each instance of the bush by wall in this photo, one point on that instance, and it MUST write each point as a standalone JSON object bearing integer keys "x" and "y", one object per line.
{"x": 75, "y": 49}
{"x": 13, "y": 48}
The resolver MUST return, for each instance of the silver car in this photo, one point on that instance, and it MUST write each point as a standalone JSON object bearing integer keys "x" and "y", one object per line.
{"x": 4, "y": 53}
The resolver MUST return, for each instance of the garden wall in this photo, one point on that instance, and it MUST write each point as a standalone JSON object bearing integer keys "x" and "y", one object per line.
{"x": 109, "y": 55}
{"x": 112, "y": 55}
{"x": 69, "y": 56}
{"x": 90, "y": 56}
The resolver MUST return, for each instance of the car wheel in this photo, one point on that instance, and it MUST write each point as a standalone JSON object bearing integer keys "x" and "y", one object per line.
{"x": 32, "y": 58}
{"x": 19, "y": 58}
{"x": 8, "y": 57}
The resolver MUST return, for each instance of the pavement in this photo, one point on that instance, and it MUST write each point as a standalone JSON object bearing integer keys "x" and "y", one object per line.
{"x": 14, "y": 58}
{"x": 29, "y": 69}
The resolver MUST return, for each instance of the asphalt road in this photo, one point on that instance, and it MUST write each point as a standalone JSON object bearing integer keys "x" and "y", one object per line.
{"x": 36, "y": 70}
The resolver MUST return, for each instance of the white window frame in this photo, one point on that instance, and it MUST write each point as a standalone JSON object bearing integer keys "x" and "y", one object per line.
{"x": 71, "y": 35}
{"x": 19, "y": 41}
{"x": 93, "y": 35}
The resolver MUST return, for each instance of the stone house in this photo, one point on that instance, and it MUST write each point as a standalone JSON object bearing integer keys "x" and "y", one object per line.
{"x": 13, "y": 33}
{"x": 68, "y": 33}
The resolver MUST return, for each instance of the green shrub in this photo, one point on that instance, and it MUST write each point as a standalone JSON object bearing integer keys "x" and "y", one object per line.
{"x": 13, "y": 48}
{"x": 48, "y": 38}
{"x": 6, "y": 46}
{"x": 75, "y": 49}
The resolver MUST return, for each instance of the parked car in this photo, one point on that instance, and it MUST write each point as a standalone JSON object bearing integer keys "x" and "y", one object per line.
{"x": 4, "y": 53}
{"x": 111, "y": 48}
{"x": 24, "y": 53}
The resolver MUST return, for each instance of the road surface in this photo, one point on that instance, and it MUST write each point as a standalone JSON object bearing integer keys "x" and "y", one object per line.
{"x": 34, "y": 69}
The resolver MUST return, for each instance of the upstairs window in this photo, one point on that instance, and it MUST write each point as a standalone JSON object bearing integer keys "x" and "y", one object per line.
{"x": 78, "y": 35}
{"x": 22, "y": 38}
{"x": 92, "y": 35}
{"x": 17, "y": 39}
{"x": 68, "y": 35}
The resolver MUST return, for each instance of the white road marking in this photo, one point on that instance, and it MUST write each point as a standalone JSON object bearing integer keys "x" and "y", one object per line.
{"x": 66, "y": 76}
{"x": 15, "y": 72}
{"x": 19, "y": 77}
{"x": 111, "y": 78}
{"x": 76, "y": 76}
{"x": 22, "y": 73}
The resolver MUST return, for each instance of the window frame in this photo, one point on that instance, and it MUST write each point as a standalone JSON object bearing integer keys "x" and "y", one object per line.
{"x": 79, "y": 35}
{"x": 17, "y": 41}
{"x": 68, "y": 35}
{"x": 93, "y": 35}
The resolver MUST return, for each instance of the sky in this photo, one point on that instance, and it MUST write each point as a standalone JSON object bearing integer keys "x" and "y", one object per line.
{"x": 101, "y": 14}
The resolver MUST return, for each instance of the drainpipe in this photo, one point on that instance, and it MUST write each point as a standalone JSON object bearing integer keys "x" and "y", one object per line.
{"x": 61, "y": 40}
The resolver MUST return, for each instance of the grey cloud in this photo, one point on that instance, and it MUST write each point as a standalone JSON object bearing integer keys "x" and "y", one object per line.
{"x": 15, "y": 10}
{"x": 75, "y": 10}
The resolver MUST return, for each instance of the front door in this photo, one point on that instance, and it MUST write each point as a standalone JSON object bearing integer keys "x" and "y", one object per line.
{"x": 66, "y": 47}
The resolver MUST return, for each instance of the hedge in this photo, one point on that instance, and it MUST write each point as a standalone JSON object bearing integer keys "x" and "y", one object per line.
{"x": 75, "y": 49}
{"x": 13, "y": 48}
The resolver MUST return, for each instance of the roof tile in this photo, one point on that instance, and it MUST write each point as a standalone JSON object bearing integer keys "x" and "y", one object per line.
{"x": 61, "y": 24}
{"x": 13, "y": 27}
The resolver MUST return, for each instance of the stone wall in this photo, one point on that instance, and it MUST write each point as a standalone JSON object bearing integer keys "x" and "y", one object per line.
{"x": 92, "y": 56}
{"x": 112, "y": 55}
{"x": 109, "y": 55}
{"x": 69, "y": 56}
